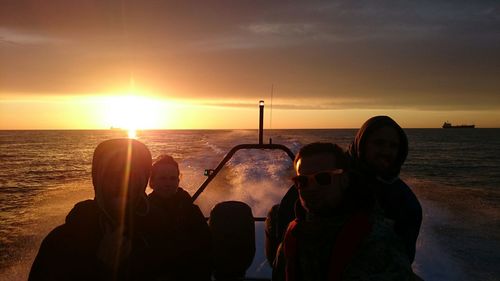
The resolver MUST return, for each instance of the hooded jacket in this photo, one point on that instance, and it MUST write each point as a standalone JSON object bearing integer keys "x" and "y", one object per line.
{"x": 394, "y": 196}
{"x": 357, "y": 148}
{"x": 130, "y": 155}
{"x": 92, "y": 244}
{"x": 70, "y": 251}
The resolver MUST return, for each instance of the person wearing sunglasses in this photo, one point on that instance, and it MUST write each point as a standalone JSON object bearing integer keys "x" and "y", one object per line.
{"x": 377, "y": 154}
{"x": 336, "y": 235}
{"x": 180, "y": 227}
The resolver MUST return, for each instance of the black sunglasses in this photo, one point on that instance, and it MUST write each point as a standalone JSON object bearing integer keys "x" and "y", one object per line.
{"x": 322, "y": 178}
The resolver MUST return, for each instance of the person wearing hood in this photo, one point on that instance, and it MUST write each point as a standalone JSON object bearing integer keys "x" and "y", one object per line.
{"x": 102, "y": 238}
{"x": 378, "y": 151}
{"x": 182, "y": 230}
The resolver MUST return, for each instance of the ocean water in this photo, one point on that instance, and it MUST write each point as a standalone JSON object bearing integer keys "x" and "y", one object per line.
{"x": 454, "y": 173}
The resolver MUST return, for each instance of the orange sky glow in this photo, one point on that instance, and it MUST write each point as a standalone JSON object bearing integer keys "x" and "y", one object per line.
{"x": 132, "y": 111}
{"x": 194, "y": 65}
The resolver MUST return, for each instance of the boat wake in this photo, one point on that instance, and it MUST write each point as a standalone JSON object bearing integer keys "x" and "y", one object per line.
{"x": 459, "y": 238}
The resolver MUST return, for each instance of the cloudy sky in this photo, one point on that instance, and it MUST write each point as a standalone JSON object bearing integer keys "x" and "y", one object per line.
{"x": 330, "y": 64}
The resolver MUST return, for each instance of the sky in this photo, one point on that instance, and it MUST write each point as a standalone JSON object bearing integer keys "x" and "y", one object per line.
{"x": 206, "y": 64}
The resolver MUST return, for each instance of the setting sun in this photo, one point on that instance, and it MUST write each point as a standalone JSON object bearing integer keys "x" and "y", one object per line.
{"x": 132, "y": 133}
{"x": 131, "y": 112}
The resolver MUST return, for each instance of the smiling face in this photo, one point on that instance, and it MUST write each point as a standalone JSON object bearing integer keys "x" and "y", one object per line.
{"x": 165, "y": 179}
{"x": 319, "y": 198}
{"x": 381, "y": 149}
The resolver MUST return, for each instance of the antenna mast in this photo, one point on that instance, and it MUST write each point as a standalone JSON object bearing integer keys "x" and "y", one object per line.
{"x": 271, "y": 112}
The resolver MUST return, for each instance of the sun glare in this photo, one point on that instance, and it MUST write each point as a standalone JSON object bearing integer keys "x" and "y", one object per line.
{"x": 132, "y": 113}
{"x": 132, "y": 133}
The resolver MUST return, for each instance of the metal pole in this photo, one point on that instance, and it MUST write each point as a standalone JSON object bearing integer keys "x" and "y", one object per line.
{"x": 261, "y": 121}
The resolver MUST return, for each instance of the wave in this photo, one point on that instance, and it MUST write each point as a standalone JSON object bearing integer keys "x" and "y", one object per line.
{"x": 460, "y": 233}
{"x": 459, "y": 238}
{"x": 23, "y": 229}
{"x": 258, "y": 178}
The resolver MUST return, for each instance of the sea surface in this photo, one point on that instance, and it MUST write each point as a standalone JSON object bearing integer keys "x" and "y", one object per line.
{"x": 455, "y": 174}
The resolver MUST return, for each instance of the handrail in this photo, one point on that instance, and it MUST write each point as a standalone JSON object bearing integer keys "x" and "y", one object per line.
{"x": 230, "y": 154}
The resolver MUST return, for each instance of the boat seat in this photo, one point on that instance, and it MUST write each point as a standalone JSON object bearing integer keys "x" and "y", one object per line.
{"x": 233, "y": 239}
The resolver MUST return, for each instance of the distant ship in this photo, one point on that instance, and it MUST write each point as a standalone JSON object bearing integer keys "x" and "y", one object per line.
{"x": 447, "y": 125}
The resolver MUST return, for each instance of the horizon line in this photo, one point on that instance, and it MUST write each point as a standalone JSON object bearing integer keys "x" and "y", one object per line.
{"x": 215, "y": 129}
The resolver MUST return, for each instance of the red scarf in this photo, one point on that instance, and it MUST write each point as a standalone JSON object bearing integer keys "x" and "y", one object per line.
{"x": 348, "y": 241}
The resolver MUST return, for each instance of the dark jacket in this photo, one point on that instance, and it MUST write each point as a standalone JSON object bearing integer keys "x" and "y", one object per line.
{"x": 182, "y": 235}
{"x": 356, "y": 197}
{"x": 346, "y": 246}
{"x": 376, "y": 255}
{"x": 99, "y": 241}
{"x": 394, "y": 196}
{"x": 69, "y": 252}
{"x": 277, "y": 220}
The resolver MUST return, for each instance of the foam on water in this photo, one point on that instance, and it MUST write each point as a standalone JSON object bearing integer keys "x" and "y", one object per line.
{"x": 460, "y": 234}
{"x": 455, "y": 176}
{"x": 433, "y": 261}
{"x": 259, "y": 179}
{"x": 22, "y": 238}
{"x": 255, "y": 177}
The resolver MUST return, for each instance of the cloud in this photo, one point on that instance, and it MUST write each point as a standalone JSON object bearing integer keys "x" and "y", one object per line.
{"x": 362, "y": 54}
{"x": 340, "y": 103}
{"x": 283, "y": 29}
{"x": 17, "y": 37}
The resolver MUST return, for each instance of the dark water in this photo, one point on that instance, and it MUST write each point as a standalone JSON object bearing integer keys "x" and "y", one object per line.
{"x": 455, "y": 174}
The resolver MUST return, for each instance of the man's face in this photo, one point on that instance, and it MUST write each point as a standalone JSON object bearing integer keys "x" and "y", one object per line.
{"x": 165, "y": 179}
{"x": 381, "y": 149}
{"x": 316, "y": 197}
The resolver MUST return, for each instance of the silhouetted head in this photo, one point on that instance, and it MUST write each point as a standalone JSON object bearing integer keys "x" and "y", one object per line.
{"x": 120, "y": 172}
{"x": 322, "y": 177}
{"x": 165, "y": 176}
{"x": 380, "y": 147}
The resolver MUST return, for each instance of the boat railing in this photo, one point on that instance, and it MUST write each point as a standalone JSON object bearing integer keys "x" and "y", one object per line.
{"x": 244, "y": 236}
{"x": 212, "y": 173}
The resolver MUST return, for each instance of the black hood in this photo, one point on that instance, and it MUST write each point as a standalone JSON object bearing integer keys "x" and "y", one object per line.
{"x": 129, "y": 153}
{"x": 357, "y": 148}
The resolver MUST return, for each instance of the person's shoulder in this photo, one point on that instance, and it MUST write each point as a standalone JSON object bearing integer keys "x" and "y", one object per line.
{"x": 55, "y": 236}
{"x": 82, "y": 210}
{"x": 411, "y": 200}
{"x": 58, "y": 240}
{"x": 155, "y": 201}
{"x": 183, "y": 195}
{"x": 184, "y": 200}
{"x": 52, "y": 251}
{"x": 402, "y": 185}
